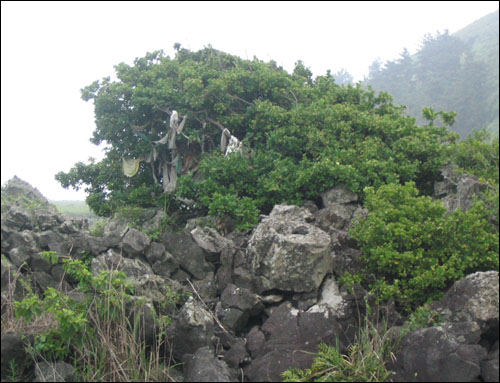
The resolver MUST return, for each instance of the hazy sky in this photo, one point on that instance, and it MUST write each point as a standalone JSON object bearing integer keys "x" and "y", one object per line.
{"x": 50, "y": 50}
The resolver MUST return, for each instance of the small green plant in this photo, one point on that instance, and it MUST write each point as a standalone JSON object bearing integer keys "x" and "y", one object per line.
{"x": 14, "y": 376}
{"x": 243, "y": 210}
{"x": 98, "y": 334}
{"x": 420, "y": 318}
{"x": 365, "y": 361}
{"x": 132, "y": 215}
{"x": 97, "y": 229}
{"x": 51, "y": 256}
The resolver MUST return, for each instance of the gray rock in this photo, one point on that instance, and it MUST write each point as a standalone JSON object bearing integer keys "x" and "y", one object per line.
{"x": 22, "y": 246}
{"x": 288, "y": 253}
{"x": 16, "y": 187}
{"x": 45, "y": 280}
{"x": 73, "y": 226}
{"x": 203, "y": 366}
{"x": 135, "y": 242}
{"x": 347, "y": 260}
{"x": 242, "y": 299}
{"x": 464, "y": 332}
{"x": 141, "y": 312}
{"x": 98, "y": 245}
{"x": 13, "y": 351}
{"x": 237, "y": 354}
{"x": 458, "y": 191}
{"x": 192, "y": 329}
{"x": 331, "y": 301}
{"x": 155, "y": 252}
{"x": 19, "y": 256}
{"x": 256, "y": 341}
{"x": 206, "y": 287}
{"x": 116, "y": 227}
{"x": 472, "y": 299}
{"x": 112, "y": 260}
{"x": 210, "y": 241}
{"x": 166, "y": 265}
{"x": 335, "y": 216}
{"x": 54, "y": 372}
{"x": 19, "y": 218}
{"x": 47, "y": 221}
{"x": 434, "y": 355}
{"x": 489, "y": 367}
{"x": 50, "y": 237}
{"x": 339, "y": 194}
{"x": 233, "y": 319}
{"x": 187, "y": 253}
{"x": 207, "y": 221}
{"x": 40, "y": 263}
{"x": 292, "y": 338}
{"x": 237, "y": 305}
{"x": 12, "y": 288}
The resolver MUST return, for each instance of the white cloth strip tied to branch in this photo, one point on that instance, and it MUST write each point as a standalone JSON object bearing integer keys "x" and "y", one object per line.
{"x": 234, "y": 144}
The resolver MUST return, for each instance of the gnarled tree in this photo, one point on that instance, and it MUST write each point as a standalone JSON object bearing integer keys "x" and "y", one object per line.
{"x": 303, "y": 135}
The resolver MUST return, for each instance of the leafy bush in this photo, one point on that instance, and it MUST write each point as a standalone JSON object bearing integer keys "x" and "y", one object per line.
{"x": 302, "y": 135}
{"x": 97, "y": 228}
{"x": 413, "y": 251}
{"x": 478, "y": 155}
{"x": 242, "y": 210}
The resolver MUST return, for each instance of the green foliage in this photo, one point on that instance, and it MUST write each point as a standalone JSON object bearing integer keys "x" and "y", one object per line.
{"x": 422, "y": 317}
{"x": 243, "y": 210}
{"x": 302, "y": 135}
{"x": 132, "y": 215}
{"x": 478, "y": 154}
{"x": 79, "y": 322}
{"x": 97, "y": 228}
{"x": 413, "y": 251}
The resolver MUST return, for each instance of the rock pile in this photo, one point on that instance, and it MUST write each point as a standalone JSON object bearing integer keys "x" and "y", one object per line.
{"x": 260, "y": 303}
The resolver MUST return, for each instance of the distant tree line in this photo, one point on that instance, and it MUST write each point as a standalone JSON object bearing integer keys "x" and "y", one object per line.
{"x": 443, "y": 74}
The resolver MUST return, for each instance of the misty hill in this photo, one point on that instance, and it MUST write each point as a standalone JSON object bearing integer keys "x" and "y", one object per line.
{"x": 457, "y": 72}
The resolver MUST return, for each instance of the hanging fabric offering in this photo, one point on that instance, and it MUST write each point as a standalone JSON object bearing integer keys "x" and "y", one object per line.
{"x": 130, "y": 166}
{"x": 234, "y": 144}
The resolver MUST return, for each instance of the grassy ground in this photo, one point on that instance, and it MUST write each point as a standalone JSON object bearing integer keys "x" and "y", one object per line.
{"x": 74, "y": 209}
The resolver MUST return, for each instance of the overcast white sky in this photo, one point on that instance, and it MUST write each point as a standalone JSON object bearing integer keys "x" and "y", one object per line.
{"x": 50, "y": 50}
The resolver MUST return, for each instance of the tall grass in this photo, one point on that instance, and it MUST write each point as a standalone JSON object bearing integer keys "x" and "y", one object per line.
{"x": 366, "y": 359}
{"x": 102, "y": 335}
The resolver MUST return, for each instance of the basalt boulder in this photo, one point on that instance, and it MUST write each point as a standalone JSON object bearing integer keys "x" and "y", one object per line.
{"x": 288, "y": 253}
{"x": 289, "y": 338}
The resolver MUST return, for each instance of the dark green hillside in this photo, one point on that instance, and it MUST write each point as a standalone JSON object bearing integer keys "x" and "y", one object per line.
{"x": 456, "y": 72}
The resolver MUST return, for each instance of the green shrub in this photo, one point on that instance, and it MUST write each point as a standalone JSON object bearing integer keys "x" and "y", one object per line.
{"x": 97, "y": 228}
{"x": 413, "y": 251}
{"x": 478, "y": 154}
{"x": 242, "y": 210}
{"x": 422, "y": 317}
{"x": 133, "y": 215}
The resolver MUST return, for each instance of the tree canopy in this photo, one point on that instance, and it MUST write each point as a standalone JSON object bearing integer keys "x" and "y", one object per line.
{"x": 300, "y": 136}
